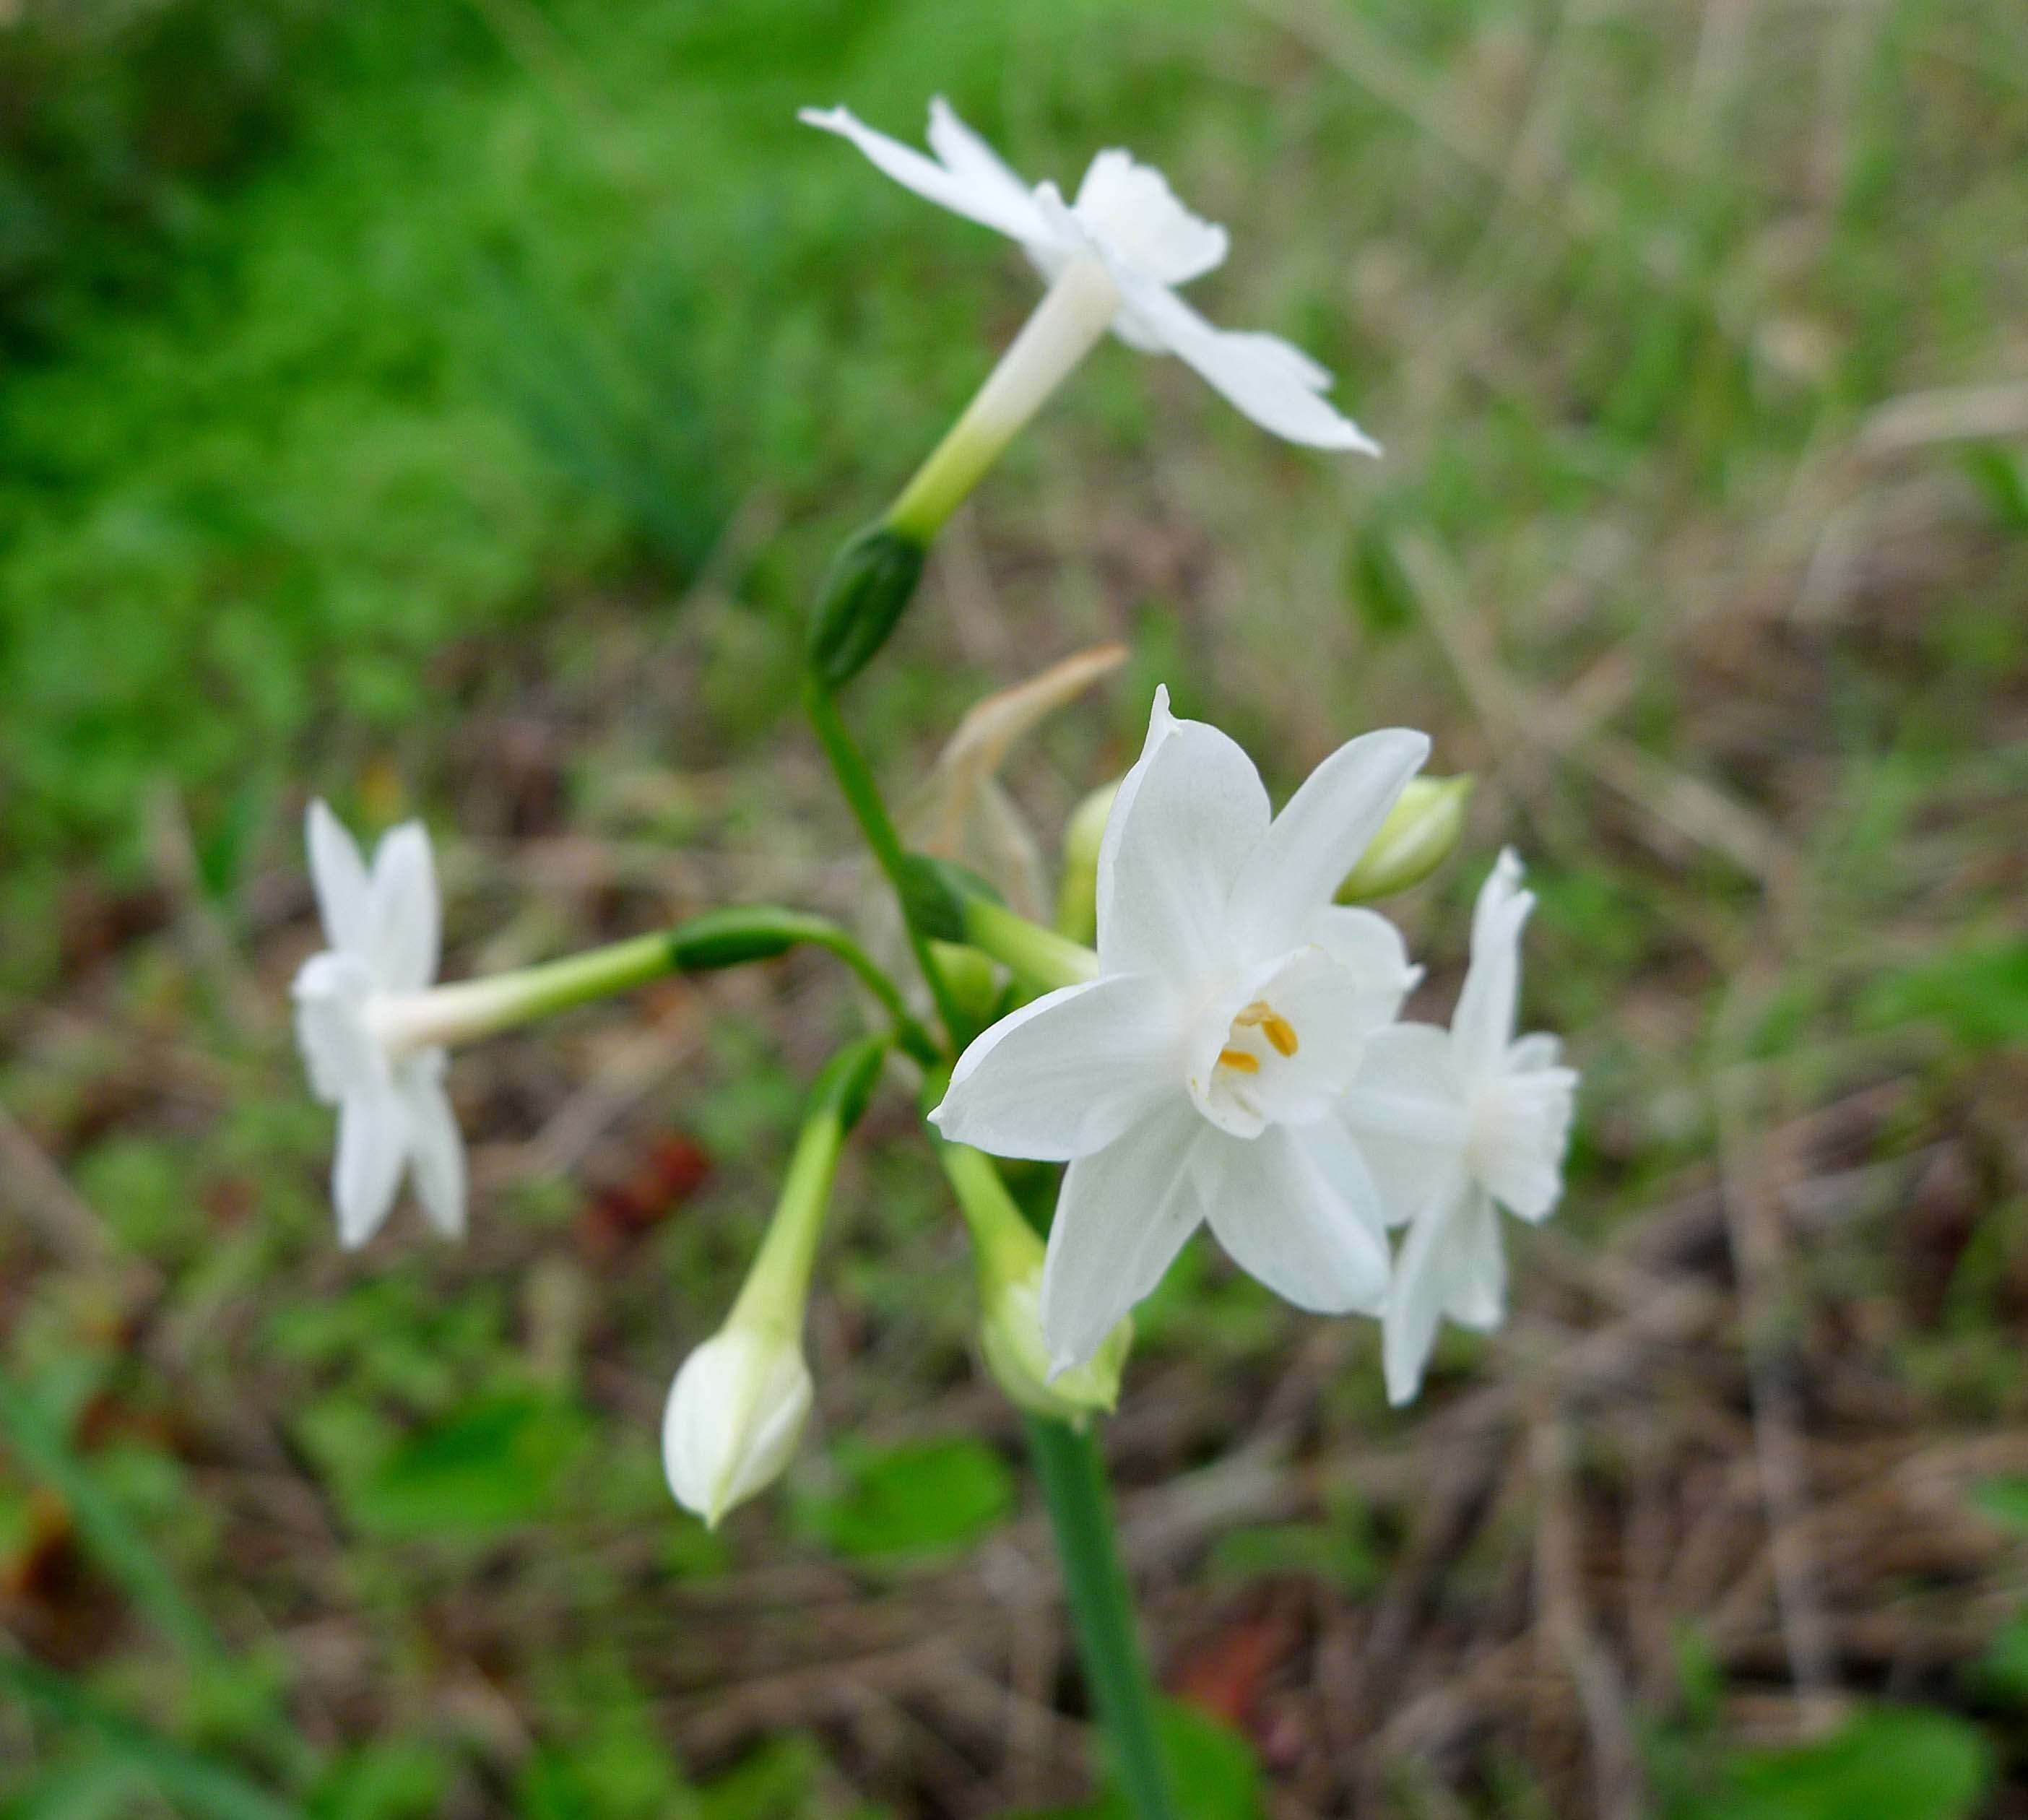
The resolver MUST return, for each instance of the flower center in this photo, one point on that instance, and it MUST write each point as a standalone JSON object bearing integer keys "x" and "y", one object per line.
{"x": 1242, "y": 1052}
{"x": 1282, "y": 1045}
{"x": 1253, "y": 1070}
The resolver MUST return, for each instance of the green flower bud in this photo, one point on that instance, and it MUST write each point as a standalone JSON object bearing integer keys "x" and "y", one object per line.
{"x": 871, "y": 581}
{"x": 1077, "y": 895}
{"x": 1009, "y": 1252}
{"x": 970, "y": 976}
{"x": 1420, "y": 833}
{"x": 1010, "y": 1340}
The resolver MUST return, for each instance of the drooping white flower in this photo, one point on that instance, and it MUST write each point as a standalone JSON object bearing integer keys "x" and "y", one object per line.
{"x": 366, "y": 1049}
{"x": 1196, "y": 1078}
{"x": 734, "y": 1414}
{"x": 1456, "y": 1124}
{"x": 1129, "y": 235}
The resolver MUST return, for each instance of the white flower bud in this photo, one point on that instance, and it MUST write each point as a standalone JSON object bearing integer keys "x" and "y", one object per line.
{"x": 735, "y": 1414}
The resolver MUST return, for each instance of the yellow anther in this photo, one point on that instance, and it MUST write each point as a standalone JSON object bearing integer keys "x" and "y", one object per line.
{"x": 1274, "y": 1026}
{"x": 1239, "y": 1058}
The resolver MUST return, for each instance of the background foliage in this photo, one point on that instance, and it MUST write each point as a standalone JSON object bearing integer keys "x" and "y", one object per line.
{"x": 447, "y": 408}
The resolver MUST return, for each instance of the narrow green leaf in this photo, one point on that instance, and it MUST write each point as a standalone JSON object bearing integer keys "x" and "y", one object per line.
{"x": 104, "y": 1529}
{"x": 209, "y": 1789}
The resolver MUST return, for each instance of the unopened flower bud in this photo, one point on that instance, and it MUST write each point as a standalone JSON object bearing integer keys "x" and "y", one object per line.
{"x": 1421, "y": 832}
{"x": 739, "y": 1402}
{"x": 1010, "y": 1340}
{"x": 970, "y": 976}
{"x": 871, "y": 581}
{"x": 1009, "y": 1254}
{"x": 1084, "y": 834}
{"x": 735, "y": 1414}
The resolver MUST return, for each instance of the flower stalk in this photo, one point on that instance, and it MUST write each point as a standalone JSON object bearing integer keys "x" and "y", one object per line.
{"x": 862, "y": 794}
{"x": 1072, "y": 1474}
{"x": 443, "y": 1015}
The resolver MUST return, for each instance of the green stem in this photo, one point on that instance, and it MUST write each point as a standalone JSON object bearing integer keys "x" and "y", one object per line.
{"x": 909, "y": 1033}
{"x": 727, "y": 938}
{"x": 779, "y": 1280}
{"x": 862, "y": 794}
{"x": 1073, "y": 1478}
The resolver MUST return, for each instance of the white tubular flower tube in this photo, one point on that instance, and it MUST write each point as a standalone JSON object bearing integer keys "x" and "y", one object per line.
{"x": 1076, "y": 312}
{"x": 737, "y": 1406}
{"x": 1196, "y": 1078}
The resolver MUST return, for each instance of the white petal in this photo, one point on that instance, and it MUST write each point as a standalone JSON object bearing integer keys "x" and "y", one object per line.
{"x": 436, "y": 1147}
{"x": 1251, "y": 371}
{"x": 1271, "y": 350}
{"x": 1370, "y": 947}
{"x": 1537, "y": 1050}
{"x": 1475, "y": 1266}
{"x": 339, "y": 1050}
{"x": 1421, "y": 1291}
{"x": 1067, "y": 1075}
{"x": 1482, "y": 1026}
{"x": 1407, "y": 1113}
{"x": 1123, "y": 1215}
{"x": 407, "y": 917}
{"x": 338, "y": 875}
{"x": 373, "y": 1146}
{"x": 1321, "y": 832}
{"x": 963, "y": 193}
{"x": 1129, "y": 208}
{"x": 1187, "y": 816}
{"x": 1279, "y": 1205}
{"x": 1521, "y": 1127}
{"x": 972, "y": 161}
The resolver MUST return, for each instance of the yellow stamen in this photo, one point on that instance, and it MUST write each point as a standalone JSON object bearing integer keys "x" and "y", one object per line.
{"x": 1274, "y": 1026}
{"x": 1239, "y": 1058}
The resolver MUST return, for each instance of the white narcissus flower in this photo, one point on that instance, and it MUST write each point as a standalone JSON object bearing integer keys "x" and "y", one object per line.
{"x": 734, "y": 1414}
{"x": 1128, "y": 235}
{"x": 1456, "y": 1124}
{"x": 363, "y": 1044}
{"x": 1197, "y": 1078}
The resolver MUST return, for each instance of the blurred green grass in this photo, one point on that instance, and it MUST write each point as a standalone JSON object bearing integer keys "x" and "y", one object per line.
{"x": 383, "y": 383}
